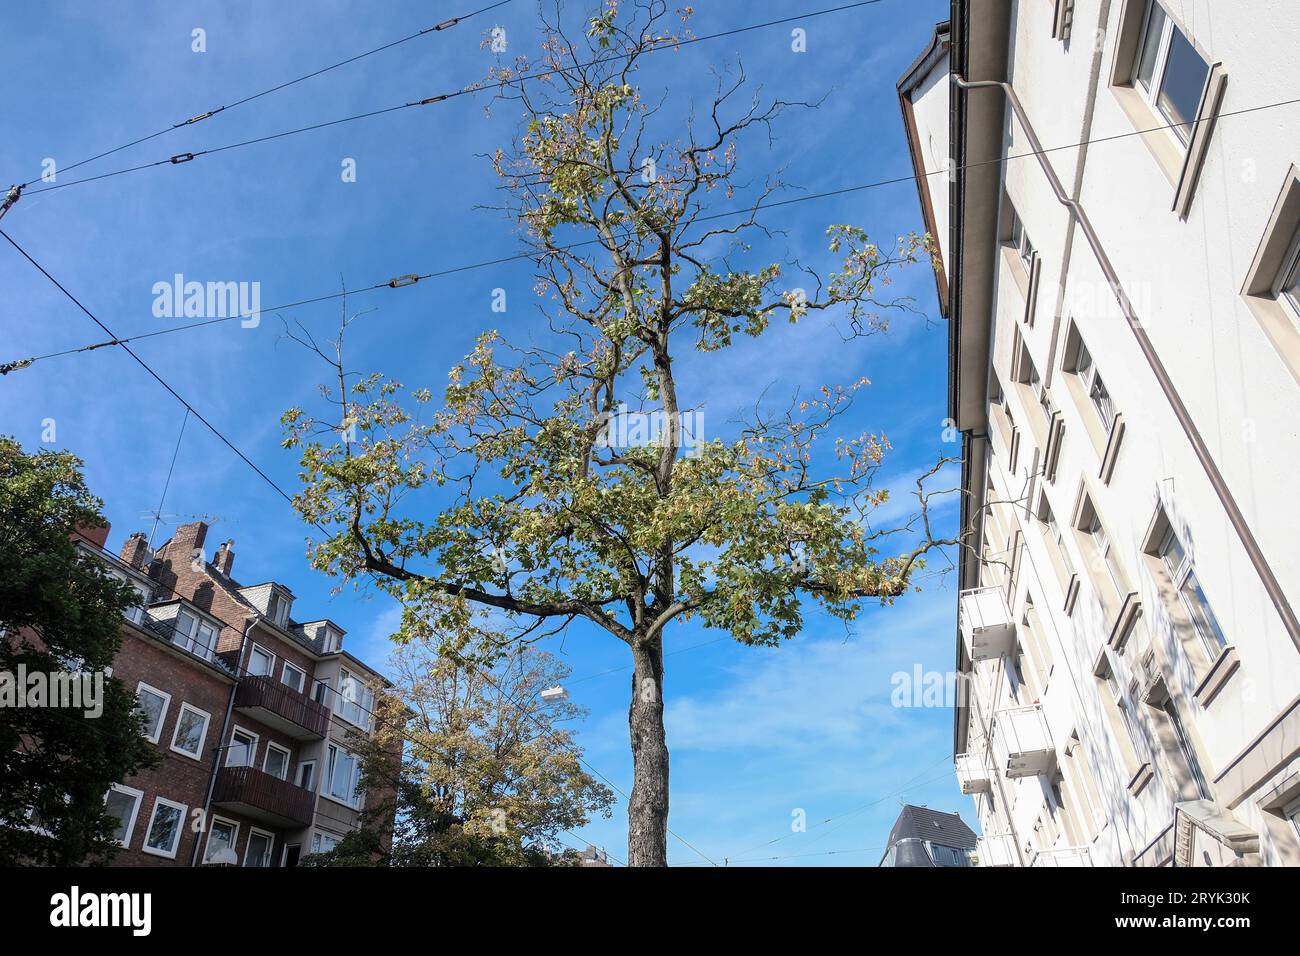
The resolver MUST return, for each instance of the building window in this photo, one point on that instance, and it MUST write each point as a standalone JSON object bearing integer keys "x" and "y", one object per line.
{"x": 259, "y": 848}
{"x": 295, "y": 677}
{"x": 134, "y": 613}
{"x": 1094, "y": 387}
{"x": 1179, "y": 565}
{"x": 1292, "y": 813}
{"x": 343, "y": 777}
{"x": 323, "y": 842}
{"x": 321, "y": 693}
{"x": 1287, "y": 290}
{"x": 1020, "y": 240}
{"x": 152, "y": 705}
{"x": 165, "y": 826}
{"x": 197, "y": 637}
{"x": 260, "y": 662}
{"x": 123, "y": 804}
{"x": 276, "y": 761}
{"x": 1170, "y": 71}
{"x": 223, "y": 836}
{"x": 356, "y": 700}
{"x": 191, "y": 729}
{"x": 1120, "y": 714}
{"x": 242, "y": 751}
{"x": 307, "y": 774}
{"x": 948, "y": 855}
{"x": 1170, "y": 710}
{"x": 1105, "y": 552}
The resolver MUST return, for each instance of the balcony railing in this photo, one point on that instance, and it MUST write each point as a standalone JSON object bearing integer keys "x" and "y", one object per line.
{"x": 275, "y": 703}
{"x": 1022, "y": 741}
{"x": 987, "y": 629}
{"x": 1065, "y": 856}
{"x": 255, "y": 793}
{"x": 974, "y": 773}
{"x": 996, "y": 849}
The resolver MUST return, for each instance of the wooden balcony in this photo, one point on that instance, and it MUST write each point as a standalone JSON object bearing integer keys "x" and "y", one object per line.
{"x": 278, "y": 705}
{"x": 256, "y": 794}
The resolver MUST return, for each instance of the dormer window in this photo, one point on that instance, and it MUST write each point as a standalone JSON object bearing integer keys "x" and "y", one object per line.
{"x": 277, "y": 608}
{"x": 194, "y": 635}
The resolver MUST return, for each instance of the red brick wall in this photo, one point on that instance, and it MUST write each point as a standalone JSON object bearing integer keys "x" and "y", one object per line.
{"x": 178, "y": 778}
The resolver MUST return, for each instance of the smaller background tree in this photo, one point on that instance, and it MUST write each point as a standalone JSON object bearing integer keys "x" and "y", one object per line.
{"x": 490, "y": 775}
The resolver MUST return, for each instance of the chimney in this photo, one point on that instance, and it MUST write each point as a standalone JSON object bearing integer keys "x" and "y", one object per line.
{"x": 224, "y": 559}
{"x": 187, "y": 540}
{"x": 135, "y": 551}
{"x": 94, "y": 536}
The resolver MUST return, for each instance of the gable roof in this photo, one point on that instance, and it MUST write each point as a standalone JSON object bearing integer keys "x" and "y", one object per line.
{"x": 934, "y": 826}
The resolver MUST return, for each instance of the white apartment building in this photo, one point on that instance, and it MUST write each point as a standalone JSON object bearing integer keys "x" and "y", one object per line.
{"x": 1116, "y": 199}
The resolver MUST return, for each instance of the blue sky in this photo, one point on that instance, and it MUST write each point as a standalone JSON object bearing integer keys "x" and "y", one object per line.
{"x": 755, "y": 734}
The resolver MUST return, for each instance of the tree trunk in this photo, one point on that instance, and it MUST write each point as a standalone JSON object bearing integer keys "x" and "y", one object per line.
{"x": 647, "y": 812}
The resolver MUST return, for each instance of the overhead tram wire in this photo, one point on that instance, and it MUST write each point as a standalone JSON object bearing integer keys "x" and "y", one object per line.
{"x": 289, "y": 498}
{"x": 412, "y": 279}
{"x": 437, "y": 28}
{"x": 182, "y": 158}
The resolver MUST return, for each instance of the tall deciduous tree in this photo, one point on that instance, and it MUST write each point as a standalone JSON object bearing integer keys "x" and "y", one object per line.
{"x": 60, "y": 612}
{"x": 558, "y": 515}
{"x": 490, "y": 776}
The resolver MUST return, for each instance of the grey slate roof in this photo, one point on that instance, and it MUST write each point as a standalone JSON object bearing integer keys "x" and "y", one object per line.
{"x": 934, "y": 826}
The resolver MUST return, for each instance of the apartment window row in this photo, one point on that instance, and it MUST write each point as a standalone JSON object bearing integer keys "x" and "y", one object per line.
{"x": 162, "y": 832}
{"x": 191, "y": 727}
{"x": 261, "y": 663}
{"x": 223, "y": 835}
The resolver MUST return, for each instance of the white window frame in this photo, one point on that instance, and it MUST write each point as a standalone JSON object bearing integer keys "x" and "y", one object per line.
{"x": 1019, "y": 239}
{"x": 270, "y": 667}
{"x": 357, "y": 799}
{"x": 203, "y": 737}
{"x": 310, "y": 767}
{"x": 158, "y": 803}
{"x": 234, "y": 839}
{"x": 317, "y": 837}
{"x": 1085, "y": 366}
{"x": 270, "y": 846}
{"x": 363, "y": 704}
{"x": 138, "y": 796}
{"x": 302, "y": 689}
{"x": 288, "y": 760}
{"x": 189, "y": 636}
{"x": 252, "y": 755}
{"x": 162, "y": 717}
{"x": 134, "y": 614}
{"x": 1181, "y": 134}
{"x": 1180, "y": 576}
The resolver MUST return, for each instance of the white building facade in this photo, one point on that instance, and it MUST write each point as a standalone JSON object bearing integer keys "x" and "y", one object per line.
{"x": 1114, "y": 187}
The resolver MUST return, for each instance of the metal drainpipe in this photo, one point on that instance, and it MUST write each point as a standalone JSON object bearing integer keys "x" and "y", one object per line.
{"x": 1238, "y": 520}
{"x": 219, "y": 749}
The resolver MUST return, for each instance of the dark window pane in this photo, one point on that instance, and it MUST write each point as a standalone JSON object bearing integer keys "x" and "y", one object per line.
{"x": 1151, "y": 44}
{"x": 1180, "y": 90}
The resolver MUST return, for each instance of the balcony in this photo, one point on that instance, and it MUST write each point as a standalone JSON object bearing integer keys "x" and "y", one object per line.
{"x": 1022, "y": 741}
{"x": 256, "y": 794}
{"x": 974, "y": 773}
{"x": 987, "y": 630}
{"x": 1066, "y": 856}
{"x": 278, "y": 705}
{"x": 996, "y": 849}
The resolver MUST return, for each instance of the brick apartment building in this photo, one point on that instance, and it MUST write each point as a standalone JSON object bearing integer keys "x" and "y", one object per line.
{"x": 249, "y": 707}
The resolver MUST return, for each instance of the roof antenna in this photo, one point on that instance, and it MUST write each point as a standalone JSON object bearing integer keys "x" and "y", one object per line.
{"x": 167, "y": 484}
